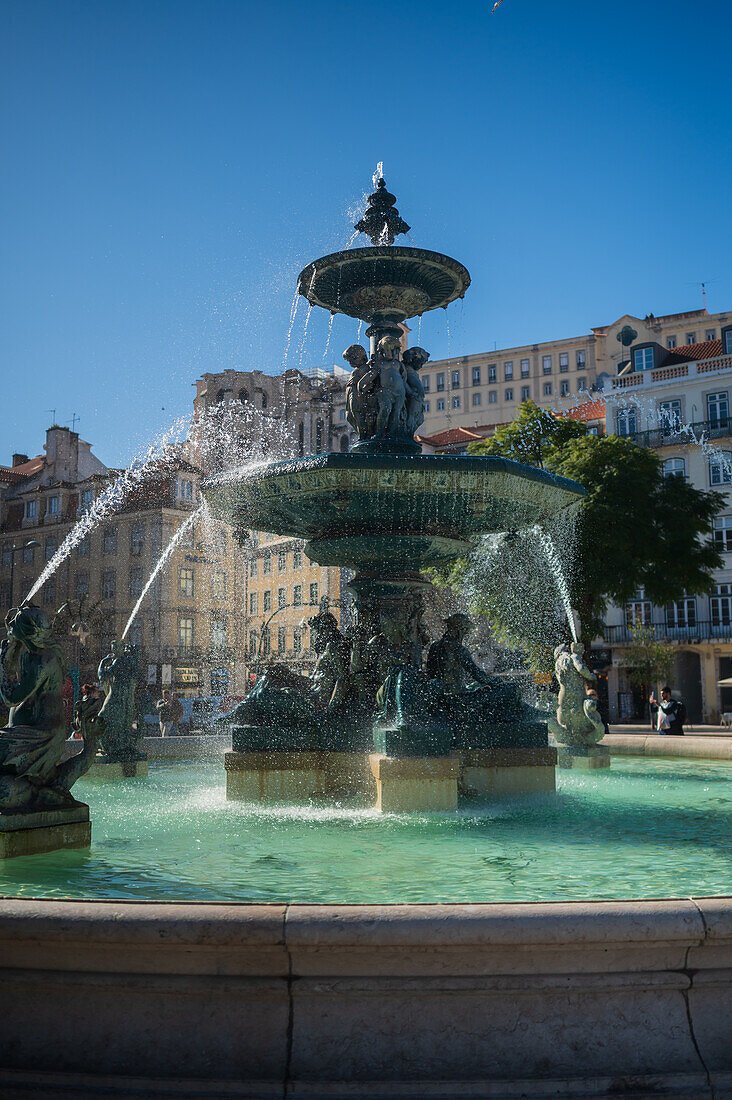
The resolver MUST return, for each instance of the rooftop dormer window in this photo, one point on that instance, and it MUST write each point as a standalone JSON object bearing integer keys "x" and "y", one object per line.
{"x": 643, "y": 358}
{"x": 52, "y": 505}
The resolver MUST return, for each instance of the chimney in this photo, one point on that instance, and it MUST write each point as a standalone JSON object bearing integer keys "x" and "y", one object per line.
{"x": 19, "y": 459}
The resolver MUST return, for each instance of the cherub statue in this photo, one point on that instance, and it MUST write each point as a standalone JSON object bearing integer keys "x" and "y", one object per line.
{"x": 577, "y": 721}
{"x": 119, "y": 674}
{"x": 360, "y": 400}
{"x": 391, "y": 393}
{"x": 413, "y": 360}
{"x": 32, "y": 672}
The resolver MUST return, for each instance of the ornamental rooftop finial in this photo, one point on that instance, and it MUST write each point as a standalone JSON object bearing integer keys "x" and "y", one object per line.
{"x": 381, "y": 222}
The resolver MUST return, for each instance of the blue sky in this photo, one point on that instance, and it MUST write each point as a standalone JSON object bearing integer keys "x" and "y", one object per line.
{"x": 169, "y": 167}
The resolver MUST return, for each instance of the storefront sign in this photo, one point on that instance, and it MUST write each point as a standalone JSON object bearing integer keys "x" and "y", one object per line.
{"x": 187, "y": 676}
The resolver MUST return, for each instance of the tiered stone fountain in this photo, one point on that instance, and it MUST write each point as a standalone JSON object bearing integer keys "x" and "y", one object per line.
{"x": 374, "y": 720}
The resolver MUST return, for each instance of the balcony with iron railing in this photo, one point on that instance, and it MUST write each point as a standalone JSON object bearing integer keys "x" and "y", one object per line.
{"x": 673, "y": 435}
{"x": 661, "y": 376}
{"x": 692, "y": 633}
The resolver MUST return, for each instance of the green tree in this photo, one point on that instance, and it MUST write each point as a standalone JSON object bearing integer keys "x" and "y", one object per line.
{"x": 635, "y": 529}
{"x": 532, "y": 436}
{"x": 647, "y": 660}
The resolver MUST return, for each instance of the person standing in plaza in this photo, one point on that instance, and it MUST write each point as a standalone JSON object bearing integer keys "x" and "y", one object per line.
{"x": 671, "y": 714}
{"x": 169, "y": 711}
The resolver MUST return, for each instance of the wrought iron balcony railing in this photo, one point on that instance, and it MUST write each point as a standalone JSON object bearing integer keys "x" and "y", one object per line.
{"x": 671, "y": 435}
{"x": 705, "y": 631}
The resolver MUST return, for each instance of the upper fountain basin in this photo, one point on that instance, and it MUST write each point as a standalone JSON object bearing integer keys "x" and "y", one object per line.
{"x": 369, "y": 505}
{"x": 384, "y": 283}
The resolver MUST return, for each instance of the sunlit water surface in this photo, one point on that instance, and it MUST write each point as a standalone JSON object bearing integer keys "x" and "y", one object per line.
{"x": 642, "y": 829}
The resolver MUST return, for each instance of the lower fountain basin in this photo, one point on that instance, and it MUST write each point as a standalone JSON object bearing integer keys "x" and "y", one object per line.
{"x": 344, "y": 496}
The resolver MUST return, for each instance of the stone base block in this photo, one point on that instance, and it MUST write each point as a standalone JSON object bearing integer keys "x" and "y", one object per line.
{"x": 125, "y": 769}
{"x": 583, "y": 759}
{"x": 46, "y": 831}
{"x": 274, "y": 776}
{"x": 505, "y": 772}
{"x": 347, "y": 776}
{"x": 411, "y": 783}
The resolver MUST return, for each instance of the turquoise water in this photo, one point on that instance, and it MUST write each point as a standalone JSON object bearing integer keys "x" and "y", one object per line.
{"x": 642, "y": 829}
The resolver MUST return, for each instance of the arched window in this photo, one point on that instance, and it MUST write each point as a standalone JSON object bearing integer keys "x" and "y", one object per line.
{"x": 344, "y": 442}
{"x": 264, "y": 400}
{"x": 674, "y": 467}
{"x": 243, "y": 396}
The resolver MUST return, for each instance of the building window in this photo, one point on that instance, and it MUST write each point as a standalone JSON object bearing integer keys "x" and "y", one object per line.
{"x": 52, "y": 506}
{"x": 456, "y": 379}
{"x": 456, "y": 402}
{"x": 218, "y": 584}
{"x": 87, "y": 499}
{"x": 266, "y": 564}
{"x": 253, "y": 567}
{"x": 29, "y": 551}
{"x": 508, "y": 371}
{"x": 51, "y": 547}
{"x": 546, "y": 364}
{"x": 547, "y": 389}
{"x": 643, "y": 359}
{"x": 185, "y": 581}
{"x": 718, "y": 409}
{"x": 7, "y": 554}
{"x": 49, "y": 593}
{"x": 137, "y": 539}
{"x": 720, "y": 468}
{"x": 721, "y": 605}
{"x": 281, "y": 561}
{"x": 253, "y": 601}
{"x": 508, "y": 396}
{"x": 135, "y": 582}
{"x": 492, "y": 397}
{"x": 426, "y": 406}
{"x": 82, "y": 550}
{"x": 109, "y": 540}
{"x": 728, "y": 341}
{"x": 492, "y": 373}
{"x": 108, "y": 584}
{"x": 267, "y": 600}
{"x": 581, "y": 358}
{"x": 218, "y": 632}
{"x": 281, "y": 598}
{"x": 135, "y": 633}
{"x": 691, "y": 337}
{"x": 674, "y": 467}
{"x": 185, "y": 633}
{"x": 581, "y": 385}
{"x": 681, "y": 613}
{"x": 253, "y": 643}
{"x": 626, "y": 422}
{"x": 671, "y": 342}
{"x": 281, "y": 639}
{"x": 710, "y": 334}
{"x": 31, "y": 509}
{"x": 563, "y": 362}
{"x": 266, "y": 642}
{"x": 638, "y": 610}
{"x": 440, "y": 382}
{"x": 314, "y": 593}
{"x": 297, "y": 559}
{"x": 426, "y": 383}
{"x": 297, "y": 595}
{"x": 525, "y": 393}
{"x": 524, "y": 368}
{"x": 82, "y": 585}
{"x": 723, "y": 533}
{"x": 476, "y": 399}
{"x": 564, "y": 388}
{"x": 441, "y": 405}
{"x": 476, "y": 376}
{"x": 185, "y": 490}
{"x": 297, "y": 641}
{"x": 670, "y": 416}
{"x": 341, "y": 414}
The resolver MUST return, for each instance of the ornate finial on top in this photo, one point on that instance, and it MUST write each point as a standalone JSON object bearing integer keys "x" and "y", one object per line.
{"x": 381, "y": 222}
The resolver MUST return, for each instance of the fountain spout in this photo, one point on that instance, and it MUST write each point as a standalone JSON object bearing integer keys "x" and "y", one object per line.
{"x": 382, "y": 222}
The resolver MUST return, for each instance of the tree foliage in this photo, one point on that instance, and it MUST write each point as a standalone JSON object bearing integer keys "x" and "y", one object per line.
{"x": 647, "y": 660}
{"x": 635, "y": 529}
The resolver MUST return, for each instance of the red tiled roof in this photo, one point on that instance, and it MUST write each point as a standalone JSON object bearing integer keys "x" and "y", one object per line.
{"x": 689, "y": 353}
{"x": 24, "y": 469}
{"x": 588, "y": 410}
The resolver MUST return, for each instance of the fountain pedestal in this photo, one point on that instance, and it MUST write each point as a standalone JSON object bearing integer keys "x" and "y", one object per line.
{"x": 117, "y": 769}
{"x": 30, "y": 834}
{"x": 583, "y": 757}
{"x": 407, "y": 784}
{"x": 501, "y": 772}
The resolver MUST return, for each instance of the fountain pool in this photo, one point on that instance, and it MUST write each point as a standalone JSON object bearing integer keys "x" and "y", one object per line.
{"x": 649, "y": 828}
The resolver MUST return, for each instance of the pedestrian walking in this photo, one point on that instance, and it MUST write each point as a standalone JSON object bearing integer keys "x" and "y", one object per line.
{"x": 170, "y": 711}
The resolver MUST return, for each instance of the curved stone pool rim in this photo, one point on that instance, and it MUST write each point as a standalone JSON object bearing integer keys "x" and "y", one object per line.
{"x": 582, "y": 999}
